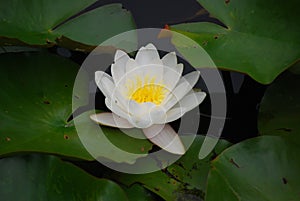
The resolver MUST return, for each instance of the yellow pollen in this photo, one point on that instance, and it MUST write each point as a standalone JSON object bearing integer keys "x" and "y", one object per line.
{"x": 147, "y": 92}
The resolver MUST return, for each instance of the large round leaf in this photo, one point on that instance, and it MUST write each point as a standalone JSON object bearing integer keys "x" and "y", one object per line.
{"x": 261, "y": 38}
{"x": 36, "y": 102}
{"x": 36, "y": 177}
{"x": 44, "y": 22}
{"x": 280, "y": 107}
{"x": 31, "y": 21}
{"x": 184, "y": 180}
{"x": 261, "y": 169}
{"x": 93, "y": 27}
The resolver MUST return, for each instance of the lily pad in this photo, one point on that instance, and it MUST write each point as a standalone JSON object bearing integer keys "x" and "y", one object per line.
{"x": 184, "y": 180}
{"x": 280, "y": 107}
{"x": 260, "y": 38}
{"x": 262, "y": 169}
{"x": 47, "y": 23}
{"x": 37, "y": 177}
{"x": 36, "y": 103}
{"x": 137, "y": 192}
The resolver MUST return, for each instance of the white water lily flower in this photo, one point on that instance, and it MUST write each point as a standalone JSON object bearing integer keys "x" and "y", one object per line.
{"x": 147, "y": 93}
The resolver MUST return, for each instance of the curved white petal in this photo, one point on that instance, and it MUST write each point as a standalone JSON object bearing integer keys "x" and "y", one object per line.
{"x": 140, "y": 114}
{"x": 167, "y": 139}
{"x": 118, "y": 69}
{"x": 110, "y": 119}
{"x": 121, "y": 57}
{"x": 184, "y": 85}
{"x": 170, "y": 59}
{"x": 171, "y": 76}
{"x": 105, "y": 83}
{"x": 174, "y": 114}
{"x": 130, "y": 70}
{"x": 189, "y": 102}
{"x": 158, "y": 115}
{"x": 176, "y": 95}
{"x": 147, "y": 55}
{"x": 153, "y": 130}
{"x": 149, "y": 72}
{"x": 116, "y": 108}
{"x": 131, "y": 65}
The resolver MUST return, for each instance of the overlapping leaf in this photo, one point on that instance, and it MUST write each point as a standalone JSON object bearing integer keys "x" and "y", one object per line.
{"x": 37, "y": 177}
{"x": 261, "y": 38}
{"x": 36, "y": 92}
{"x": 280, "y": 108}
{"x": 46, "y": 22}
{"x": 264, "y": 168}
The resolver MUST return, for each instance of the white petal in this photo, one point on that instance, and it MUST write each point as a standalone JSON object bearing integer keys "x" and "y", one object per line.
{"x": 110, "y": 119}
{"x": 105, "y": 83}
{"x": 189, "y": 102}
{"x": 167, "y": 139}
{"x": 118, "y": 69}
{"x": 121, "y": 57}
{"x": 153, "y": 130}
{"x": 131, "y": 65}
{"x": 147, "y": 55}
{"x": 176, "y": 95}
{"x": 129, "y": 74}
{"x": 174, "y": 114}
{"x": 170, "y": 59}
{"x": 184, "y": 85}
{"x": 172, "y": 75}
{"x": 158, "y": 115}
{"x": 116, "y": 108}
{"x": 191, "y": 78}
{"x": 150, "y": 71}
{"x": 140, "y": 114}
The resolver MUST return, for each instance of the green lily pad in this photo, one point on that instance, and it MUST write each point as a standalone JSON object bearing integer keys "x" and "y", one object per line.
{"x": 94, "y": 27}
{"x": 37, "y": 177}
{"x": 261, "y": 38}
{"x": 36, "y": 102}
{"x": 137, "y": 192}
{"x": 48, "y": 23}
{"x": 280, "y": 107}
{"x": 262, "y": 169}
{"x": 185, "y": 179}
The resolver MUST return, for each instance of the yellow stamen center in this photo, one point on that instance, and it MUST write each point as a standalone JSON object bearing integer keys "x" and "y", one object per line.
{"x": 146, "y": 91}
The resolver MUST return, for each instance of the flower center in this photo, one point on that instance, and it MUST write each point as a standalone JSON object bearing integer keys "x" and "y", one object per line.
{"x": 147, "y": 91}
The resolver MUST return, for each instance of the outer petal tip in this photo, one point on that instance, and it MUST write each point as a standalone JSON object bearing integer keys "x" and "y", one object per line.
{"x": 150, "y": 46}
{"x": 168, "y": 140}
{"x": 119, "y": 54}
{"x": 176, "y": 147}
{"x": 170, "y": 59}
{"x": 203, "y": 95}
{"x": 98, "y": 75}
